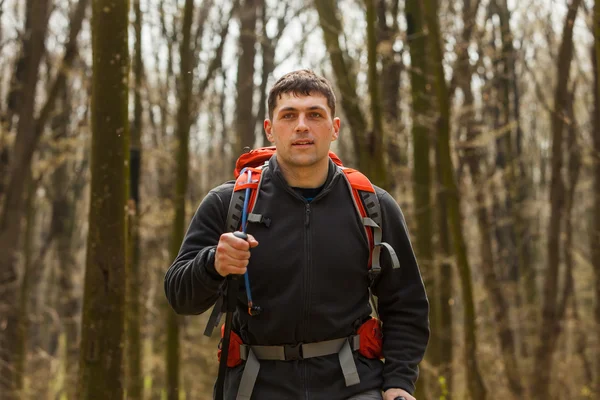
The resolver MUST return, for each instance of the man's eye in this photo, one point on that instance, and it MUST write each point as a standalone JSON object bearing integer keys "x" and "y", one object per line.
{"x": 287, "y": 116}
{"x": 315, "y": 115}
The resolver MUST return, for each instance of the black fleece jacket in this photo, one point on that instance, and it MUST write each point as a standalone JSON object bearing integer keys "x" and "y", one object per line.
{"x": 309, "y": 274}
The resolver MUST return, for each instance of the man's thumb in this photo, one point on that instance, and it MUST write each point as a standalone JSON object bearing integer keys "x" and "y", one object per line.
{"x": 252, "y": 241}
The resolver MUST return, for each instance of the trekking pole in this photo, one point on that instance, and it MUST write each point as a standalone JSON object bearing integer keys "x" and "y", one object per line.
{"x": 253, "y": 310}
{"x": 231, "y": 299}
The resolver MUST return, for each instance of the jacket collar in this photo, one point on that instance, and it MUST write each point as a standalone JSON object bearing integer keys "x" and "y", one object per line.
{"x": 332, "y": 173}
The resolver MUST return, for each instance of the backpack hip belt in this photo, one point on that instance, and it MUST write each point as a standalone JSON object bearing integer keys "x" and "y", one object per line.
{"x": 367, "y": 341}
{"x": 300, "y": 351}
{"x": 343, "y": 347}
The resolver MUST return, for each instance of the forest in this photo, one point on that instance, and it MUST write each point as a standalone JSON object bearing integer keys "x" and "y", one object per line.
{"x": 480, "y": 117}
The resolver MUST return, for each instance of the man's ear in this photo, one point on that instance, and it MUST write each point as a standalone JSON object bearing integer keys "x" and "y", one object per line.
{"x": 336, "y": 129}
{"x": 268, "y": 130}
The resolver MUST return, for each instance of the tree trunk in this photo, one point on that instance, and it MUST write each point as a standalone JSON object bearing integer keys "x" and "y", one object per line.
{"x": 475, "y": 383}
{"x": 215, "y": 64}
{"x": 133, "y": 321}
{"x": 345, "y": 78}
{"x": 516, "y": 181}
{"x": 13, "y": 208}
{"x": 505, "y": 228}
{"x": 391, "y": 69}
{"x": 474, "y": 158}
{"x": 498, "y": 300}
{"x": 446, "y": 293}
{"x": 370, "y": 160}
{"x": 244, "y": 119}
{"x": 395, "y": 141}
{"x": 503, "y": 205}
{"x": 165, "y": 189}
{"x": 68, "y": 301}
{"x": 267, "y": 46}
{"x": 378, "y": 170}
{"x": 573, "y": 173}
{"x": 550, "y": 327}
{"x": 102, "y": 338}
{"x": 422, "y": 190}
{"x": 182, "y": 161}
{"x": 582, "y": 345}
{"x": 65, "y": 194}
{"x": 28, "y": 251}
{"x": 595, "y": 229}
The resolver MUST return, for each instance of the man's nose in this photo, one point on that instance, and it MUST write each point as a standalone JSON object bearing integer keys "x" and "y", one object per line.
{"x": 301, "y": 125}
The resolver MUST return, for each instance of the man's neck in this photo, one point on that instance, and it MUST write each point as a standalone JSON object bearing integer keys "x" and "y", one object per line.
{"x": 312, "y": 177}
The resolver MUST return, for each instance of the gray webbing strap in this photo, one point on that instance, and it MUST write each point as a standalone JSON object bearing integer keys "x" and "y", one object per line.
{"x": 377, "y": 235}
{"x": 372, "y": 206}
{"x": 248, "y": 377}
{"x": 348, "y": 365}
{"x": 373, "y": 302}
{"x": 308, "y": 350}
{"x": 328, "y": 347}
{"x": 343, "y": 347}
{"x": 374, "y": 220}
{"x": 276, "y": 353}
{"x": 215, "y": 317}
{"x": 234, "y": 213}
{"x": 258, "y": 218}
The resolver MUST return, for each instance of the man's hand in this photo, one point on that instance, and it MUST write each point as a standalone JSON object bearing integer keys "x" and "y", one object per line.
{"x": 391, "y": 394}
{"x": 232, "y": 254}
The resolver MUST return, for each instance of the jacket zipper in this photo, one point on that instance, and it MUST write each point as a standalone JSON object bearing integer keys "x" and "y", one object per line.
{"x": 307, "y": 287}
{"x": 307, "y": 267}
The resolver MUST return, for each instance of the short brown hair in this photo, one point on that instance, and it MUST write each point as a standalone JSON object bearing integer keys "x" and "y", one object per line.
{"x": 302, "y": 82}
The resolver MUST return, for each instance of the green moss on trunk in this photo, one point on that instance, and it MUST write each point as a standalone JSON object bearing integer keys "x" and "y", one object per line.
{"x": 101, "y": 374}
{"x": 377, "y": 171}
{"x": 182, "y": 162}
{"x": 421, "y": 174}
{"x": 13, "y": 206}
{"x": 135, "y": 383}
{"x": 595, "y": 236}
{"x": 474, "y": 381}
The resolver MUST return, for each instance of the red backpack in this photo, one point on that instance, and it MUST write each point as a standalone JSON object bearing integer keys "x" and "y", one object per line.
{"x": 367, "y": 206}
{"x": 365, "y": 201}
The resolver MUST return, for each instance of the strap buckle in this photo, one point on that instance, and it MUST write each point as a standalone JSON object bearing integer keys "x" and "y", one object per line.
{"x": 293, "y": 352}
{"x": 373, "y": 274}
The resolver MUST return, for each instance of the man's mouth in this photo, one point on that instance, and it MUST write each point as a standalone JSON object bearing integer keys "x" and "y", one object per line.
{"x": 303, "y": 143}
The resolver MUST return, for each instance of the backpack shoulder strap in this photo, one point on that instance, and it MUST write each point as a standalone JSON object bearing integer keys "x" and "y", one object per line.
{"x": 236, "y": 205}
{"x": 233, "y": 223}
{"x": 368, "y": 207}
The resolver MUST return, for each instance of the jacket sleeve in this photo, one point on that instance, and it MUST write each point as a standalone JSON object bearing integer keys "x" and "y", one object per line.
{"x": 192, "y": 284}
{"x": 402, "y": 303}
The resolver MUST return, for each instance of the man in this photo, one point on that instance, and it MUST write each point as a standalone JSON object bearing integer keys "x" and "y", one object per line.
{"x": 308, "y": 267}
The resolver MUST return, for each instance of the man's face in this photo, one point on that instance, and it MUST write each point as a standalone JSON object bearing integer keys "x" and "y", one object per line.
{"x": 302, "y": 129}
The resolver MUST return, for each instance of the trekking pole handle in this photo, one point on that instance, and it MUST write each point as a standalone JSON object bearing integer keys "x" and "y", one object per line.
{"x": 240, "y": 235}
{"x": 253, "y": 309}
{"x": 243, "y": 236}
